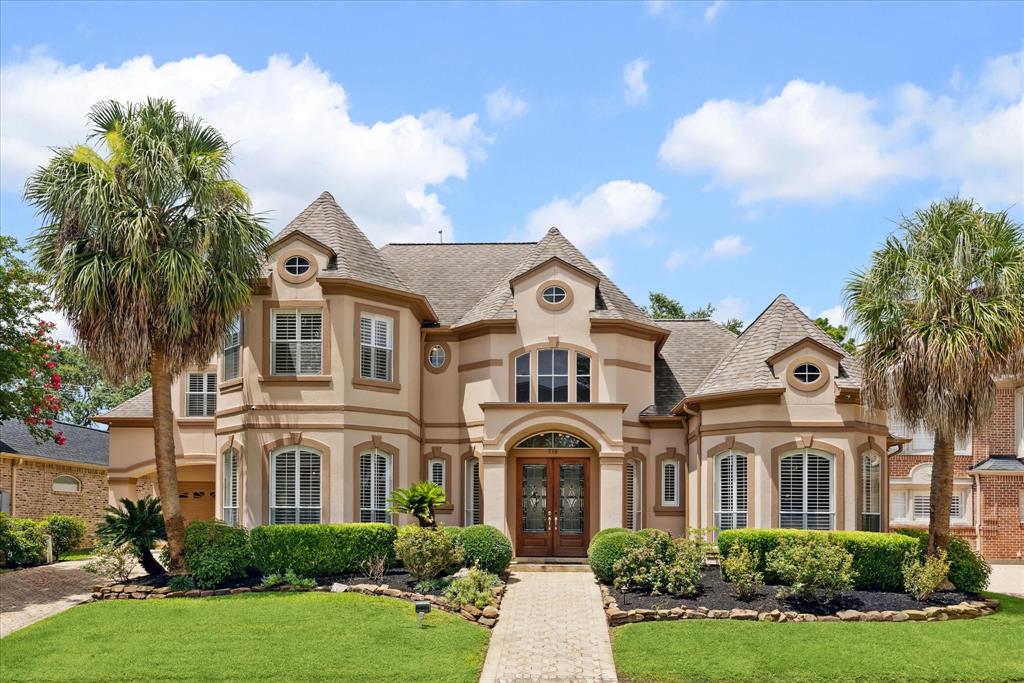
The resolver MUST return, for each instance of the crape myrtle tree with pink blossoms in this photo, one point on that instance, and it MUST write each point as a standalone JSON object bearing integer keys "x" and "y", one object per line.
{"x": 29, "y": 382}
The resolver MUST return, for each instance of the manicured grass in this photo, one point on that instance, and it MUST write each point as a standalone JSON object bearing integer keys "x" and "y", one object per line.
{"x": 986, "y": 649}
{"x": 80, "y": 554}
{"x": 249, "y": 637}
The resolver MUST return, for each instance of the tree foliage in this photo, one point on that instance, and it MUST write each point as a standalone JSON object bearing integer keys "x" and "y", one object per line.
{"x": 419, "y": 500}
{"x": 85, "y": 392}
{"x": 663, "y": 307}
{"x": 29, "y": 378}
{"x": 838, "y": 333}
{"x": 139, "y": 524}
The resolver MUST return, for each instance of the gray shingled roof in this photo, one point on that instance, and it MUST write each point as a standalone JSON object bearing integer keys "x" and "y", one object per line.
{"x": 83, "y": 445}
{"x": 693, "y": 348}
{"x": 455, "y": 276}
{"x": 999, "y": 463}
{"x": 140, "y": 405}
{"x": 357, "y": 258}
{"x": 779, "y": 326}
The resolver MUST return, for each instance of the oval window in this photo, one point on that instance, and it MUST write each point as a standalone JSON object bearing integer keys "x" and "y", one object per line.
{"x": 554, "y": 294}
{"x": 436, "y": 356}
{"x": 296, "y": 265}
{"x": 807, "y": 373}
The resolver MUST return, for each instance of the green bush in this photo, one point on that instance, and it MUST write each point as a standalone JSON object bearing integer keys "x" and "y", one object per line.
{"x": 609, "y": 530}
{"x": 216, "y": 552}
{"x": 67, "y": 533}
{"x": 315, "y": 550}
{"x": 877, "y": 558}
{"x": 486, "y": 546}
{"x": 922, "y": 578}
{"x": 661, "y": 565}
{"x": 22, "y": 541}
{"x": 181, "y": 584}
{"x": 114, "y": 561}
{"x": 428, "y": 553}
{"x": 741, "y": 569}
{"x": 472, "y": 589}
{"x": 968, "y": 570}
{"x": 293, "y": 581}
{"x": 811, "y": 564}
{"x": 606, "y": 550}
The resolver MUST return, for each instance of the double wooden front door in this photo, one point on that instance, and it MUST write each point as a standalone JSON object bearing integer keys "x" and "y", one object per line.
{"x": 552, "y": 510}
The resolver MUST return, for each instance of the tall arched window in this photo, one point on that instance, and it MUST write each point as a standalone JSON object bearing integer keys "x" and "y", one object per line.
{"x": 731, "y": 490}
{"x": 806, "y": 496}
{"x": 374, "y": 485}
{"x": 229, "y": 487}
{"x": 871, "y": 492}
{"x": 634, "y": 494}
{"x": 294, "y": 486}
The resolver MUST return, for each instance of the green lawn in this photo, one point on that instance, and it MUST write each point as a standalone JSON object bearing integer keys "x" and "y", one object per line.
{"x": 987, "y": 649}
{"x": 80, "y": 554}
{"x": 249, "y": 637}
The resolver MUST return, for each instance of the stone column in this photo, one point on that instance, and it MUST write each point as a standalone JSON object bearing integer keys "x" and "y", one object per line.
{"x": 493, "y": 483}
{"x": 610, "y": 482}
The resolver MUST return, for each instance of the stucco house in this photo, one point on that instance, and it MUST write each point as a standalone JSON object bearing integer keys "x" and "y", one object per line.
{"x": 523, "y": 381}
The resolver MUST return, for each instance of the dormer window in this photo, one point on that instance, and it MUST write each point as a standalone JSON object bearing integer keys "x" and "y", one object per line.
{"x": 807, "y": 373}
{"x": 554, "y": 294}
{"x": 296, "y": 265}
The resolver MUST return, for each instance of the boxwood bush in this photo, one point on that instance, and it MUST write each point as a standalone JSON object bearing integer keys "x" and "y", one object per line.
{"x": 314, "y": 550}
{"x": 67, "y": 533}
{"x": 968, "y": 570}
{"x": 22, "y": 541}
{"x": 877, "y": 558}
{"x": 605, "y": 532}
{"x": 487, "y": 545}
{"x": 216, "y": 552}
{"x": 606, "y": 549}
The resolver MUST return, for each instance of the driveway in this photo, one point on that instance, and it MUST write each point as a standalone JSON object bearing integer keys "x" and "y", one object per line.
{"x": 1007, "y": 577}
{"x": 28, "y": 595}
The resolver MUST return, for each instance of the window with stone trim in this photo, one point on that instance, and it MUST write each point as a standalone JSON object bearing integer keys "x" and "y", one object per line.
{"x": 374, "y": 485}
{"x": 871, "y": 493}
{"x": 296, "y": 342}
{"x": 670, "y": 483}
{"x": 295, "y": 486}
{"x": 806, "y": 490}
{"x": 730, "y": 504}
{"x": 230, "y": 464}
{"x": 436, "y": 472}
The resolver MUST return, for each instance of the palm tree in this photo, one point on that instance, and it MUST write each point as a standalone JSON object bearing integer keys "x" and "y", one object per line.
{"x": 941, "y": 311}
{"x": 137, "y": 524}
{"x": 419, "y": 500}
{"x": 150, "y": 250}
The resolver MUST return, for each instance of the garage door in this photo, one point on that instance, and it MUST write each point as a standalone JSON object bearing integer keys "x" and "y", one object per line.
{"x": 197, "y": 499}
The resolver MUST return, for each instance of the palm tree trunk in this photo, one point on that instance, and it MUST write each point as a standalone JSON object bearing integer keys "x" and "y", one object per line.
{"x": 941, "y": 494}
{"x": 166, "y": 471}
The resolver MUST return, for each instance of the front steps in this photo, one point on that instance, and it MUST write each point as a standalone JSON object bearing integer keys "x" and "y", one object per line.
{"x": 550, "y": 564}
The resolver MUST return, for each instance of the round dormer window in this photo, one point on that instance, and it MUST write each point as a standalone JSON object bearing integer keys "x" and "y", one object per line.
{"x": 808, "y": 373}
{"x": 296, "y": 265}
{"x": 554, "y": 294}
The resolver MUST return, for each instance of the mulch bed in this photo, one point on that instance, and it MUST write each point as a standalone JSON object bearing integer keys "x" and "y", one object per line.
{"x": 715, "y": 593}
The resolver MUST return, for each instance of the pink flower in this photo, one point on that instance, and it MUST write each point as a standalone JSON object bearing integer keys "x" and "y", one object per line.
{"x": 51, "y": 364}
{"x": 35, "y": 410}
{"x": 49, "y": 422}
{"x": 60, "y": 439}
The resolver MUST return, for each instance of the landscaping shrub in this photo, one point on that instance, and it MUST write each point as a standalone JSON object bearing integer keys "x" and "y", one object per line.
{"x": 216, "y": 552}
{"x": 660, "y": 565}
{"x": 67, "y": 533}
{"x": 22, "y": 541}
{"x": 180, "y": 584}
{"x": 114, "y": 561}
{"x": 472, "y": 589}
{"x": 812, "y": 563}
{"x": 741, "y": 569}
{"x": 605, "y": 551}
{"x": 315, "y": 550}
{"x": 877, "y": 558}
{"x": 605, "y": 532}
{"x": 486, "y": 546}
{"x": 290, "y": 579}
{"x": 650, "y": 532}
{"x": 968, "y": 570}
{"x": 921, "y": 579}
{"x": 428, "y": 553}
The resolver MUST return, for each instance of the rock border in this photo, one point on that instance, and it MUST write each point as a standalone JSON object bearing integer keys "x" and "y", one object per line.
{"x": 488, "y": 616}
{"x": 965, "y": 610}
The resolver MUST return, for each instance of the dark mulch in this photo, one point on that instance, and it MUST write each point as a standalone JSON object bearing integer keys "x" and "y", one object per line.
{"x": 715, "y": 593}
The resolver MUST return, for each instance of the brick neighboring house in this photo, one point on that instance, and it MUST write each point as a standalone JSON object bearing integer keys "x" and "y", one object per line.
{"x": 988, "y": 484}
{"x": 39, "y": 479}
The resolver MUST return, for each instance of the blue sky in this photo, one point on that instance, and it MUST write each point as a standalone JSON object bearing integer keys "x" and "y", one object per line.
{"x": 719, "y": 151}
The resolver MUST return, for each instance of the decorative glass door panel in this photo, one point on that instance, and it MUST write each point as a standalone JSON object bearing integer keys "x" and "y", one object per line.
{"x": 552, "y": 510}
{"x": 535, "y": 498}
{"x": 570, "y": 495}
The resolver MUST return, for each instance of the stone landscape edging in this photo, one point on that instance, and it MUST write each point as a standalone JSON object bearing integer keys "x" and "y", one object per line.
{"x": 965, "y": 610}
{"x": 488, "y": 616}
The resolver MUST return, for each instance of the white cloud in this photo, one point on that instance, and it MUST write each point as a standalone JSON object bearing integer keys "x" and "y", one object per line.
{"x": 836, "y": 315}
{"x": 63, "y": 331}
{"x": 636, "y": 85}
{"x": 677, "y": 258}
{"x": 711, "y": 13}
{"x": 290, "y": 123}
{"x": 656, "y": 7}
{"x": 606, "y": 263}
{"x": 504, "y": 105}
{"x": 817, "y": 142}
{"x": 730, "y": 307}
{"x": 729, "y": 246}
{"x": 616, "y": 208}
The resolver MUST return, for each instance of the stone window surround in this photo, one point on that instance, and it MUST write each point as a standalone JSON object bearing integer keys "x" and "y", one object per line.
{"x": 435, "y": 453}
{"x": 838, "y": 476}
{"x": 298, "y": 439}
{"x": 376, "y": 441}
{"x": 871, "y": 446}
{"x": 359, "y": 382}
{"x": 807, "y": 386}
{"x": 636, "y": 455}
{"x": 730, "y": 444}
{"x": 324, "y": 306}
{"x": 218, "y": 474}
{"x": 552, "y": 343}
{"x": 678, "y": 510}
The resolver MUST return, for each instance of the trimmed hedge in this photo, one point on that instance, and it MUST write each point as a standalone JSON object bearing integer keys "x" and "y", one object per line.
{"x": 968, "y": 570}
{"x": 605, "y": 532}
{"x": 216, "y": 552}
{"x": 606, "y": 549}
{"x": 22, "y": 541}
{"x": 487, "y": 545}
{"x": 315, "y": 550}
{"x": 877, "y": 558}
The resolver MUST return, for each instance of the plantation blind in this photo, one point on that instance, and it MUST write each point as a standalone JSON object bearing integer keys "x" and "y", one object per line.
{"x": 232, "y": 350}
{"x": 201, "y": 394}
{"x": 229, "y": 488}
{"x": 296, "y": 344}
{"x": 805, "y": 491}
{"x": 871, "y": 493}
{"x": 374, "y": 485}
{"x": 295, "y": 487}
{"x": 731, "y": 491}
{"x": 471, "y": 495}
{"x": 375, "y": 347}
{"x": 435, "y": 472}
{"x": 670, "y": 482}
{"x": 634, "y": 495}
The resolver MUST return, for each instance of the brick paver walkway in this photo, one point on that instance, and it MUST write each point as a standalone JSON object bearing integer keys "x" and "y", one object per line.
{"x": 28, "y": 595}
{"x": 552, "y": 628}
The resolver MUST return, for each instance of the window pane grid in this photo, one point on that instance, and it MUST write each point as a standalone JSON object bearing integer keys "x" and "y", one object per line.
{"x": 553, "y": 376}
{"x": 805, "y": 491}
{"x": 523, "y": 378}
{"x": 295, "y": 487}
{"x": 375, "y": 347}
{"x": 296, "y": 343}
{"x": 374, "y": 486}
{"x": 201, "y": 394}
{"x": 471, "y": 496}
{"x": 232, "y": 350}
{"x": 582, "y": 378}
{"x": 731, "y": 491}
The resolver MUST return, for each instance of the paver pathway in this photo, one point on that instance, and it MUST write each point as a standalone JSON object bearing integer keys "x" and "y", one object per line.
{"x": 28, "y": 595}
{"x": 552, "y": 628}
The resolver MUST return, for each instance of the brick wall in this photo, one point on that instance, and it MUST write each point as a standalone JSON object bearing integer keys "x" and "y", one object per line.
{"x": 34, "y": 497}
{"x": 1002, "y": 531}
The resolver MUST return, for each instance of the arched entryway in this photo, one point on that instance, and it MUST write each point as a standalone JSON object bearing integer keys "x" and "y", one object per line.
{"x": 553, "y": 494}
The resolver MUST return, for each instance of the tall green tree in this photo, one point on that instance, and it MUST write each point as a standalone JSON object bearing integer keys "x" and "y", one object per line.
{"x": 84, "y": 392}
{"x": 663, "y": 307}
{"x": 941, "y": 308}
{"x": 839, "y": 333}
{"x": 150, "y": 249}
